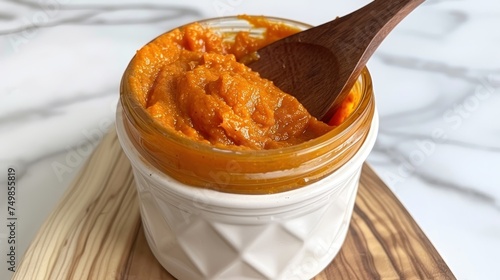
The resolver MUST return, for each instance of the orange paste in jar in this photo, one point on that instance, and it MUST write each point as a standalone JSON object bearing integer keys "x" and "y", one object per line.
{"x": 191, "y": 82}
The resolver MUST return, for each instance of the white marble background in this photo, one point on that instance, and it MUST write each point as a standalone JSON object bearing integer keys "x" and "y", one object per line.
{"x": 437, "y": 82}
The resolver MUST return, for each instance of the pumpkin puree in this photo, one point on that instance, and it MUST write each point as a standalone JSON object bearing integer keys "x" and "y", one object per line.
{"x": 191, "y": 81}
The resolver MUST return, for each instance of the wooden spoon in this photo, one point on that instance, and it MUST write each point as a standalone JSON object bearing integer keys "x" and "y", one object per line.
{"x": 320, "y": 65}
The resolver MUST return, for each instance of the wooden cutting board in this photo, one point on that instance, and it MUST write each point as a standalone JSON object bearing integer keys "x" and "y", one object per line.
{"x": 95, "y": 232}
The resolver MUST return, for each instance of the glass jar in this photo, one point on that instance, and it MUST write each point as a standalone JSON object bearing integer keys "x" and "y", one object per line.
{"x": 246, "y": 171}
{"x": 268, "y": 214}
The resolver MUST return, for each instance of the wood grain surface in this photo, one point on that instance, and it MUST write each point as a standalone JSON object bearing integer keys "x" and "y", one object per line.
{"x": 95, "y": 232}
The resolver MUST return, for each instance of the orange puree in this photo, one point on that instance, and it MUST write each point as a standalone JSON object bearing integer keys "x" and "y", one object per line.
{"x": 190, "y": 81}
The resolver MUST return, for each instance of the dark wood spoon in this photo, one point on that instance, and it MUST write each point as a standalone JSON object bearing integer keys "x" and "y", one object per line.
{"x": 320, "y": 65}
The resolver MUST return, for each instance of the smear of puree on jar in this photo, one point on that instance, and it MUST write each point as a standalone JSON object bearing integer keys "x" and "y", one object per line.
{"x": 191, "y": 82}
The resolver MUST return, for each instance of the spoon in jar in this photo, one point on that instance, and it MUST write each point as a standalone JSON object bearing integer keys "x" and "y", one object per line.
{"x": 320, "y": 65}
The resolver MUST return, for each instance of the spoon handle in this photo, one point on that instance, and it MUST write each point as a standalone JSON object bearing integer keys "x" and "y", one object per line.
{"x": 372, "y": 24}
{"x": 360, "y": 29}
